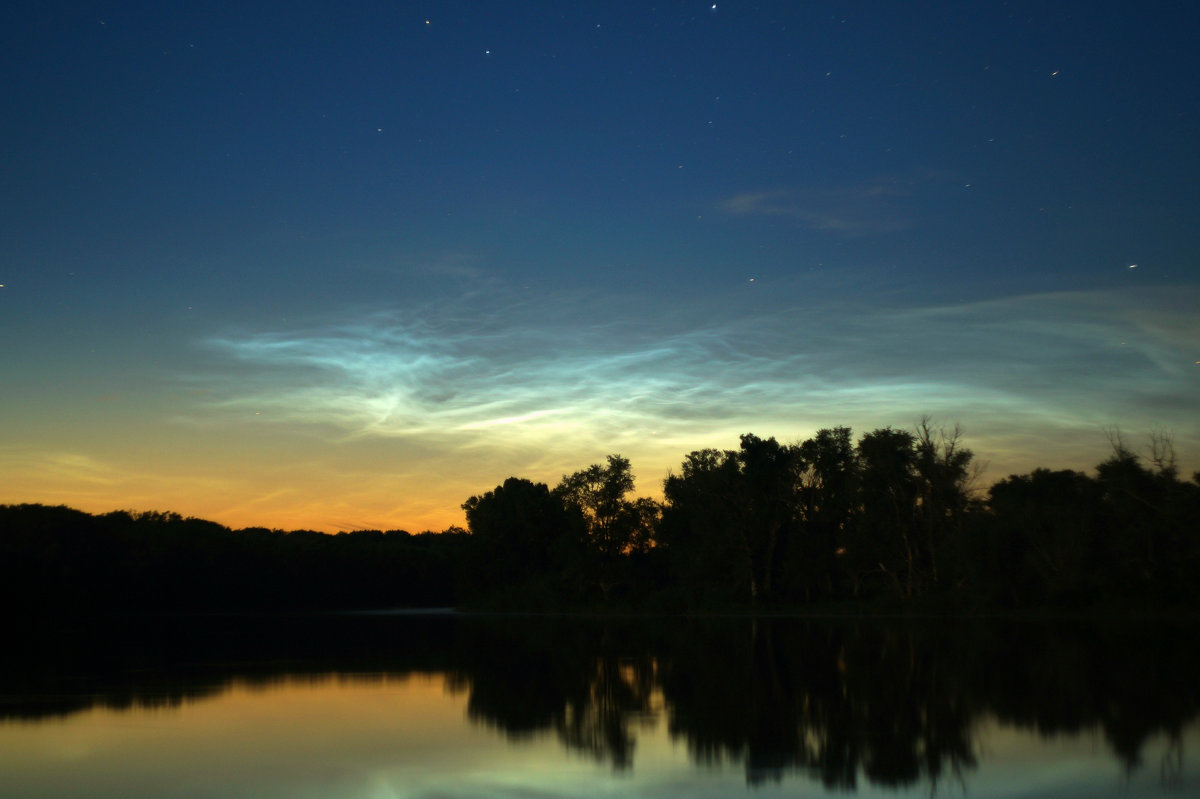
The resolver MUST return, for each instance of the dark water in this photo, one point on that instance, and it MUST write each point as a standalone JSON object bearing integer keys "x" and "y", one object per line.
{"x": 449, "y": 706}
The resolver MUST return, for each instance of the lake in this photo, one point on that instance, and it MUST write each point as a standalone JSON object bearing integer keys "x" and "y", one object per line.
{"x": 377, "y": 705}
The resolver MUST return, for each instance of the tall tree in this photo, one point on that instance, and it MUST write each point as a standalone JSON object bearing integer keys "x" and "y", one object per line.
{"x": 769, "y": 473}
{"x": 828, "y": 484}
{"x": 523, "y": 541}
{"x": 883, "y": 539}
{"x": 945, "y": 477}
{"x": 1047, "y": 521}
{"x": 598, "y": 493}
{"x": 702, "y": 528}
{"x": 733, "y": 512}
{"x": 616, "y": 525}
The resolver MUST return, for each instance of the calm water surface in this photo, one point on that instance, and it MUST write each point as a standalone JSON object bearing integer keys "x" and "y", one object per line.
{"x": 346, "y": 706}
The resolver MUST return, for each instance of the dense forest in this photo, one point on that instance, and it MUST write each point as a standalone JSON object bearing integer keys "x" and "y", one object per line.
{"x": 892, "y": 519}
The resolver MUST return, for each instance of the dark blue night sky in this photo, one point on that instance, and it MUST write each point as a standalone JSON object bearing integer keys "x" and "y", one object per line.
{"x": 345, "y": 264}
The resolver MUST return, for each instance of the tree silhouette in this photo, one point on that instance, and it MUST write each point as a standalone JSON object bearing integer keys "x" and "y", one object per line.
{"x": 943, "y": 468}
{"x": 882, "y": 543}
{"x": 525, "y": 543}
{"x": 768, "y": 475}
{"x": 703, "y": 529}
{"x": 827, "y": 499}
{"x": 616, "y": 526}
{"x": 729, "y": 516}
{"x": 1049, "y": 548}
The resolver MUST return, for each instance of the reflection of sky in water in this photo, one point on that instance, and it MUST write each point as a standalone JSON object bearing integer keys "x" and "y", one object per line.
{"x": 1017, "y": 764}
{"x": 409, "y": 739}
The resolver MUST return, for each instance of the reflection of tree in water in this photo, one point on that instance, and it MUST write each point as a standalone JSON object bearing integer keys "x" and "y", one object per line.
{"x": 1130, "y": 680}
{"x": 820, "y": 700}
{"x": 890, "y": 701}
{"x": 160, "y": 662}
{"x": 530, "y": 676}
{"x": 620, "y": 695}
{"x": 893, "y": 702}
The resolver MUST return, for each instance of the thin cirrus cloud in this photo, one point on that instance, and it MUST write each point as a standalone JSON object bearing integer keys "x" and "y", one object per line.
{"x": 582, "y": 380}
{"x": 865, "y": 210}
{"x": 80, "y": 478}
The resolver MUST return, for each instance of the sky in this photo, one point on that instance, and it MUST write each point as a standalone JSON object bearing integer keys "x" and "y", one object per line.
{"x": 343, "y": 265}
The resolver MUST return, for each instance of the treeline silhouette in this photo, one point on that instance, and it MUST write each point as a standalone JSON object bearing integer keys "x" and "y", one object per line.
{"x": 888, "y": 701}
{"x": 55, "y": 560}
{"x": 894, "y": 518}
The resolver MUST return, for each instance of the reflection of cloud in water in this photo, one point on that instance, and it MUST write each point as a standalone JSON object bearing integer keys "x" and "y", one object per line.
{"x": 563, "y": 373}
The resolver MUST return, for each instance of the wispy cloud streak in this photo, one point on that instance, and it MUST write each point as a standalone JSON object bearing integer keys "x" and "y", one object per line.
{"x": 564, "y": 375}
{"x": 864, "y": 210}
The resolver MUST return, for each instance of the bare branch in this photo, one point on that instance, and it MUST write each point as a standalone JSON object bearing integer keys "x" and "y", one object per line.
{"x": 1162, "y": 452}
